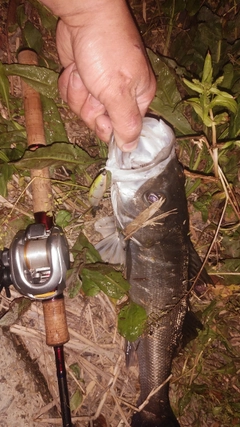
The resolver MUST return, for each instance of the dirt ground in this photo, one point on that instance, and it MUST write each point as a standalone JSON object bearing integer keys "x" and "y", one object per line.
{"x": 21, "y": 397}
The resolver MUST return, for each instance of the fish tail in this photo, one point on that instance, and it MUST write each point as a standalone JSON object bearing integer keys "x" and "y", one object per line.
{"x": 147, "y": 419}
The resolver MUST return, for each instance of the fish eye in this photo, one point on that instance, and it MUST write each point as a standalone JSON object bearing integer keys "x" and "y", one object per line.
{"x": 152, "y": 197}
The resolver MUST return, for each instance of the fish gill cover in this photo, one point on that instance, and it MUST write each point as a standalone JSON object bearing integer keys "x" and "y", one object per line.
{"x": 129, "y": 171}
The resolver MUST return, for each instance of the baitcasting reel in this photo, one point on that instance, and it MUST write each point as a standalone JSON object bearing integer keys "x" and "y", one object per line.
{"x": 36, "y": 262}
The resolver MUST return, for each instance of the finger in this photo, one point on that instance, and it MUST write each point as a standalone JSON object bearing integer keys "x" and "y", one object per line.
{"x": 104, "y": 128}
{"x": 126, "y": 120}
{"x": 126, "y": 113}
{"x": 64, "y": 80}
{"x": 92, "y": 112}
{"x": 94, "y": 115}
{"x": 72, "y": 89}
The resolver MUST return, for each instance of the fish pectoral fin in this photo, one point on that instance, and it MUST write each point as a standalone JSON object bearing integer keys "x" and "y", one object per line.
{"x": 130, "y": 353}
{"x": 105, "y": 226}
{"x": 112, "y": 247}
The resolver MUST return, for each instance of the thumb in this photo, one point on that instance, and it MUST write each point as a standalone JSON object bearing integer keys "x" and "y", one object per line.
{"x": 126, "y": 120}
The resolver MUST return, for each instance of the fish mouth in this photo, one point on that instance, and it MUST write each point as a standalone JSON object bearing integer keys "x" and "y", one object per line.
{"x": 130, "y": 170}
{"x": 155, "y": 149}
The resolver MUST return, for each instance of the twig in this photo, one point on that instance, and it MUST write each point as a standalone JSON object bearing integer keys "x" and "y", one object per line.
{"x": 14, "y": 206}
{"x": 146, "y": 218}
{"x": 120, "y": 409}
{"x": 152, "y": 392}
{"x": 206, "y": 178}
{"x": 111, "y": 384}
{"x": 46, "y": 408}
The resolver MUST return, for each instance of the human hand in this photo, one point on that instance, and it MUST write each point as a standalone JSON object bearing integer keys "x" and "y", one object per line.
{"x": 107, "y": 80}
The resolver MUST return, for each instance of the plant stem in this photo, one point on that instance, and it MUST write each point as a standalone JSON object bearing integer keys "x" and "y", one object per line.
{"x": 214, "y": 144}
{"x": 170, "y": 27}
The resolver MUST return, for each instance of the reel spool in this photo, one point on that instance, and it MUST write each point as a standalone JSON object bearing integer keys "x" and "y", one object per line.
{"x": 38, "y": 260}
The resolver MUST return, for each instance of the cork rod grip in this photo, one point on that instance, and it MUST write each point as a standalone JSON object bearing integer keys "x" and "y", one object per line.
{"x": 41, "y": 186}
{"x": 55, "y": 321}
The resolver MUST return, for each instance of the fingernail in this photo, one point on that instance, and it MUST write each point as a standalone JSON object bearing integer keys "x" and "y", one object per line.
{"x": 76, "y": 81}
{"x": 130, "y": 146}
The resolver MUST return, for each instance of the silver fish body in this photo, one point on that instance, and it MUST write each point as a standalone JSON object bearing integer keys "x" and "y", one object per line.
{"x": 157, "y": 269}
{"x": 157, "y": 257}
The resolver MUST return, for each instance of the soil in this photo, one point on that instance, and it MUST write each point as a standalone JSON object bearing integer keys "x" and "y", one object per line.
{"x": 23, "y": 390}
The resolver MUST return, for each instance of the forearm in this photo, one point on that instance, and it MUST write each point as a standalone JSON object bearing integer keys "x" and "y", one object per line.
{"x": 71, "y": 11}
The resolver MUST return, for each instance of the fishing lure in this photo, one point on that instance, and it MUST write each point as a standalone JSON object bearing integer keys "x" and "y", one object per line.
{"x": 98, "y": 188}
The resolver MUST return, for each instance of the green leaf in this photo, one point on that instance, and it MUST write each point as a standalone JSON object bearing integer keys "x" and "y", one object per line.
{"x": 49, "y": 21}
{"x": 228, "y": 76}
{"x": 41, "y": 79}
{"x": 63, "y": 218}
{"x": 32, "y": 37}
{"x": 194, "y": 102}
{"x": 89, "y": 287}
{"x": 3, "y": 156}
{"x": 4, "y": 86}
{"x": 184, "y": 401}
{"x": 195, "y": 85}
{"x": 74, "y": 288}
{"x": 203, "y": 209}
{"x": 131, "y": 321}
{"x": 17, "y": 308}
{"x": 192, "y": 7}
{"x": 76, "y": 370}
{"x": 228, "y": 145}
{"x": 21, "y": 16}
{"x": 76, "y": 400}
{"x": 81, "y": 245}
{"x": 221, "y": 118}
{"x": 199, "y": 388}
{"x": 207, "y": 70}
{"x": 6, "y": 172}
{"x": 53, "y": 126}
{"x": 12, "y": 137}
{"x": 224, "y": 102}
{"x": 103, "y": 276}
{"x": 234, "y": 128}
{"x": 231, "y": 266}
{"x": 57, "y": 154}
{"x": 167, "y": 101}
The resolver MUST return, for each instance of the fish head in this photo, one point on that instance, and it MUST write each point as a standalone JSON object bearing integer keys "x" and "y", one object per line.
{"x": 135, "y": 174}
{"x": 159, "y": 208}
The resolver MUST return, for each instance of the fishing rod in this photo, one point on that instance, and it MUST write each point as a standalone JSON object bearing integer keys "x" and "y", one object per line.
{"x": 38, "y": 258}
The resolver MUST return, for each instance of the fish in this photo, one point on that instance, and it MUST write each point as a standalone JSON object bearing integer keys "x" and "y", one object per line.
{"x": 156, "y": 256}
